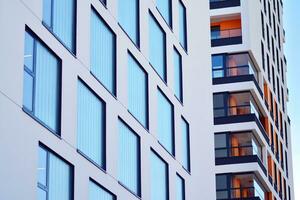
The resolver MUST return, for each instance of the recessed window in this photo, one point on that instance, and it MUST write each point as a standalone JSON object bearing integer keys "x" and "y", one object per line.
{"x": 165, "y": 129}
{"x": 54, "y": 177}
{"x": 59, "y": 17}
{"x": 97, "y": 192}
{"x": 157, "y": 48}
{"x": 41, "y": 86}
{"x": 178, "y": 75}
{"x": 137, "y": 91}
{"x": 128, "y": 17}
{"x": 103, "y": 52}
{"x": 90, "y": 125}
{"x": 182, "y": 26}
{"x": 185, "y": 144}
{"x": 180, "y": 188}
{"x": 165, "y": 8}
{"x": 129, "y": 158}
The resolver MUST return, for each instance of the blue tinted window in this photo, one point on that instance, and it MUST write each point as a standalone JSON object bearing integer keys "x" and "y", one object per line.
{"x": 178, "y": 75}
{"x": 157, "y": 44}
{"x": 96, "y": 192}
{"x": 165, "y": 8}
{"x": 182, "y": 25}
{"x": 137, "y": 91}
{"x": 103, "y": 58}
{"x": 218, "y": 66}
{"x": 128, "y": 17}
{"x": 90, "y": 125}
{"x": 165, "y": 122}
{"x": 185, "y": 144}
{"x": 180, "y": 188}
{"x": 41, "y": 86}
{"x": 159, "y": 178}
{"x": 129, "y": 158}
{"x": 59, "y": 17}
{"x": 55, "y": 177}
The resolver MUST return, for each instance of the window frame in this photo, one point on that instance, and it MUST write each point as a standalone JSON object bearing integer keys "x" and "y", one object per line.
{"x": 170, "y": 13}
{"x": 188, "y": 145}
{"x": 180, "y": 97}
{"x": 184, "y": 46}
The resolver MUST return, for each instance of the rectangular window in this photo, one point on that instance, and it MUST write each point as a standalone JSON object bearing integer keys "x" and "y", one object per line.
{"x": 218, "y": 65}
{"x": 137, "y": 91}
{"x": 128, "y": 17}
{"x": 165, "y": 9}
{"x": 129, "y": 158}
{"x": 185, "y": 144}
{"x": 165, "y": 129}
{"x": 41, "y": 86}
{"x": 178, "y": 75}
{"x": 182, "y": 26}
{"x": 59, "y": 16}
{"x": 97, "y": 192}
{"x": 157, "y": 47}
{"x": 55, "y": 177}
{"x": 90, "y": 125}
{"x": 180, "y": 188}
{"x": 159, "y": 178}
{"x": 103, "y": 52}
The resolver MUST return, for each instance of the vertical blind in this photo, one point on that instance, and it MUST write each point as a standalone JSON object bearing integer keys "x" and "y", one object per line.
{"x": 137, "y": 91}
{"x": 182, "y": 25}
{"x": 180, "y": 193}
{"x": 98, "y": 193}
{"x": 178, "y": 75}
{"x": 103, "y": 59}
{"x": 165, "y": 8}
{"x": 129, "y": 158}
{"x": 90, "y": 125}
{"x": 157, "y": 45}
{"x": 128, "y": 17}
{"x": 165, "y": 122}
{"x": 185, "y": 144}
{"x": 159, "y": 178}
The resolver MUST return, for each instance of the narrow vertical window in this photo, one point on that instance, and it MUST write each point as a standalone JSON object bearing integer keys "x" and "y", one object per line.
{"x": 41, "y": 86}
{"x": 137, "y": 91}
{"x": 165, "y": 112}
{"x": 90, "y": 125}
{"x": 165, "y": 9}
{"x": 178, "y": 75}
{"x": 182, "y": 26}
{"x": 159, "y": 178}
{"x": 180, "y": 188}
{"x": 128, "y": 17}
{"x": 129, "y": 158}
{"x": 185, "y": 144}
{"x": 54, "y": 177}
{"x": 103, "y": 52}
{"x": 59, "y": 17}
{"x": 97, "y": 192}
{"x": 157, "y": 48}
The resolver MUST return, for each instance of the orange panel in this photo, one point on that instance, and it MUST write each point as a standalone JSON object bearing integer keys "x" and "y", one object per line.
{"x": 230, "y": 24}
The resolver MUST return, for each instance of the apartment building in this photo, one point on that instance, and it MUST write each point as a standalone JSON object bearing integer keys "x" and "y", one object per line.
{"x": 105, "y": 100}
{"x": 251, "y": 125}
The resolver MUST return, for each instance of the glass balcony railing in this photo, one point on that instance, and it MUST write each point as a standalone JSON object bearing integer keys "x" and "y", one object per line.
{"x": 226, "y": 34}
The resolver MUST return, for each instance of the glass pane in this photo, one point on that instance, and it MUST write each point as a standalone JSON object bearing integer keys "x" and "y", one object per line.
{"x": 222, "y": 194}
{"x": 42, "y": 167}
{"x": 102, "y": 52}
{"x": 164, "y": 7}
{"x": 47, "y": 12}
{"x": 129, "y": 159}
{"x": 42, "y": 195}
{"x": 180, "y": 193}
{"x": 217, "y": 62}
{"x": 185, "y": 144}
{"x": 221, "y": 181}
{"x": 28, "y": 51}
{"x": 220, "y": 141}
{"x": 218, "y": 73}
{"x": 60, "y": 186}
{"x": 178, "y": 74}
{"x": 47, "y": 88}
{"x": 90, "y": 125}
{"x": 27, "y": 91}
{"x": 97, "y": 193}
{"x": 137, "y": 91}
{"x": 165, "y": 122}
{"x": 219, "y": 101}
{"x": 182, "y": 25}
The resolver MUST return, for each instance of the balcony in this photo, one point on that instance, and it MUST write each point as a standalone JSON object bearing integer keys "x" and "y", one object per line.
{"x": 215, "y": 4}
{"x": 239, "y": 186}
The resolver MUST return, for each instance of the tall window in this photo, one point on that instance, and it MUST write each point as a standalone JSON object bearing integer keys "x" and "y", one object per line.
{"x": 90, "y": 125}
{"x": 128, "y": 17}
{"x": 41, "y": 87}
{"x": 182, "y": 25}
{"x": 178, "y": 75}
{"x": 97, "y": 192}
{"x": 165, "y": 8}
{"x": 180, "y": 188}
{"x": 59, "y": 17}
{"x": 137, "y": 91}
{"x": 159, "y": 178}
{"x": 165, "y": 112}
{"x": 103, "y": 52}
{"x": 54, "y": 177}
{"x": 157, "y": 45}
{"x": 185, "y": 144}
{"x": 129, "y": 158}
